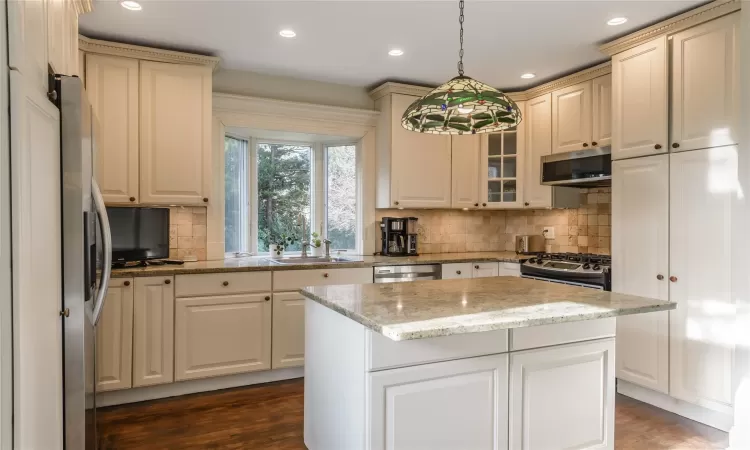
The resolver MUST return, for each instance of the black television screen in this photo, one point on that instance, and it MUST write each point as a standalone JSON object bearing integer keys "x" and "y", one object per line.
{"x": 139, "y": 234}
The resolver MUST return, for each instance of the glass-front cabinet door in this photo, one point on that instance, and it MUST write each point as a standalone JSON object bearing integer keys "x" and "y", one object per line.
{"x": 501, "y": 168}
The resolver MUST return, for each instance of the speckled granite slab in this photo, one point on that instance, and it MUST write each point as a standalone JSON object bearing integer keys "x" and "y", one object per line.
{"x": 258, "y": 263}
{"x": 425, "y": 309}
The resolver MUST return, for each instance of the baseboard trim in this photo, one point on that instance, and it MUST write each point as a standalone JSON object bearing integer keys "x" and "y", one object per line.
{"x": 194, "y": 386}
{"x": 705, "y": 416}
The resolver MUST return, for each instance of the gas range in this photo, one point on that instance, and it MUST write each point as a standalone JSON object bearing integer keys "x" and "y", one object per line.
{"x": 580, "y": 269}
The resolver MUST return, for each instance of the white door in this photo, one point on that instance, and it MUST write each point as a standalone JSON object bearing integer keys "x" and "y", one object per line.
{"x": 538, "y": 143}
{"x": 639, "y": 100}
{"x": 175, "y": 133}
{"x": 288, "y": 330}
{"x": 563, "y": 397}
{"x": 457, "y": 270}
{"x": 112, "y": 86}
{"x": 465, "y": 167}
{"x": 451, "y": 405}
{"x": 601, "y": 113}
{"x": 703, "y": 183}
{"x": 485, "y": 269}
{"x": 640, "y": 252}
{"x": 222, "y": 335}
{"x": 37, "y": 282}
{"x": 420, "y": 163}
{"x": 571, "y": 118}
{"x": 153, "y": 331}
{"x": 114, "y": 338}
{"x": 705, "y": 85}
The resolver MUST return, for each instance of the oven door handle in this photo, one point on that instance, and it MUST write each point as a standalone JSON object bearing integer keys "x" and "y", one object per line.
{"x": 101, "y": 212}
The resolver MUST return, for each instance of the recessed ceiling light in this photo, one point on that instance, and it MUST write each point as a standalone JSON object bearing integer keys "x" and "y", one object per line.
{"x": 131, "y": 5}
{"x": 396, "y": 52}
{"x": 287, "y": 33}
{"x": 617, "y": 21}
{"x": 528, "y": 76}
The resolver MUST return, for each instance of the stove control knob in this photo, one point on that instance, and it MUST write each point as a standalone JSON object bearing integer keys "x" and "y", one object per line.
{"x": 597, "y": 267}
{"x": 532, "y": 260}
{"x": 539, "y": 261}
{"x": 586, "y": 266}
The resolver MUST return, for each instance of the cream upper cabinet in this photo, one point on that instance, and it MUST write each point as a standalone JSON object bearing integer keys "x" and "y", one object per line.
{"x": 222, "y": 335}
{"x": 705, "y": 85}
{"x": 153, "y": 331}
{"x": 114, "y": 338}
{"x": 112, "y": 86}
{"x": 502, "y": 167}
{"x": 402, "y": 155}
{"x": 639, "y": 100}
{"x": 571, "y": 118}
{"x": 465, "y": 171}
{"x": 175, "y": 133}
{"x": 28, "y": 41}
{"x": 640, "y": 251}
{"x": 538, "y": 124}
{"x": 703, "y": 185}
{"x": 601, "y": 112}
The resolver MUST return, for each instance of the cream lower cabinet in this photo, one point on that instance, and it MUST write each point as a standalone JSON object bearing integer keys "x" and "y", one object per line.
{"x": 441, "y": 406}
{"x": 484, "y": 270}
{"x": 153, "y": 331}
{"x": 563, "y": 397}
{"x": 480, "y": 270}
{"x": 289, "y": 308}
{"x": 114, "y": 338}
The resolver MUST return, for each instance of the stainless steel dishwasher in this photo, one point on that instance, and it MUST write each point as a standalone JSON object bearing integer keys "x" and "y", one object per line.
{"x": 400, "y": 274}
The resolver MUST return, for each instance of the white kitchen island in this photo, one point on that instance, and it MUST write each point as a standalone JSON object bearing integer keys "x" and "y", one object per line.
{"x": 492, "y": 363}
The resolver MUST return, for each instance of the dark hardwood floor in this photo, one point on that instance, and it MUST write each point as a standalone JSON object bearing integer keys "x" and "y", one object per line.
{"x": 270, "y": 417}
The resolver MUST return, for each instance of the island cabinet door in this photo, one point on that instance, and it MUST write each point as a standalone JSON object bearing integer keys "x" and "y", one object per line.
{"x": 451, "y": 405}
{"x": 563, "y": 397}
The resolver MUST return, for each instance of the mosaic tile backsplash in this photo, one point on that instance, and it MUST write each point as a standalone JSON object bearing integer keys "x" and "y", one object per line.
{"x": 586, "y": 229}
{"x": 187, "y": 232}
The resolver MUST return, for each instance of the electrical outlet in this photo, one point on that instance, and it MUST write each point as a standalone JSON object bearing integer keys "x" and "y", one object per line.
{"x": 549, "y": 232}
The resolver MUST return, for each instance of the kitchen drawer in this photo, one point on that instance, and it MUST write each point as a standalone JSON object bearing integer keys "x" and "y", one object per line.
{"x": 222, "y": 283}
{"x": 291, "y": 280}
{"x": 484, "y": 269}
{"x": 510, "y": 269}
{"x": 457, "y": 270}
{"x": 562, "y": 333}
{"x": 384, "y": 353}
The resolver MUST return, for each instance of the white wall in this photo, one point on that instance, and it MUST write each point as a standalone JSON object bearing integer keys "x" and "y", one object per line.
{"x": 291, "y": 89}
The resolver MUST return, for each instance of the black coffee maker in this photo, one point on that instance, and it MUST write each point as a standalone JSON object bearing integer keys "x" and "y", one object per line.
{"x": 398, "y": 236}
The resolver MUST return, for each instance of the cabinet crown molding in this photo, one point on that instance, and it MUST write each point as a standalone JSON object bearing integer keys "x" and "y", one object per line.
{"x": 686, "y": 20}
{"x": 97, "y": 46}
{"x": 599, "y": 70}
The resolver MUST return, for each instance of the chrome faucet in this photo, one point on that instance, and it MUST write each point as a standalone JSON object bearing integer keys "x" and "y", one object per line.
{"x": 305, "y": 239}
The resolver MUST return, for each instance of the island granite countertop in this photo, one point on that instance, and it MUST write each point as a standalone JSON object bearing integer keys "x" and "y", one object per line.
{"x": 262, "y": 263}
{"x": 425, "y": 309}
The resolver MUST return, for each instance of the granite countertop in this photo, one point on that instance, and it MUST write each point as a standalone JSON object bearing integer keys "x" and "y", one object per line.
{"x": 261, "y": 263}
{"x": 424, "y": 309}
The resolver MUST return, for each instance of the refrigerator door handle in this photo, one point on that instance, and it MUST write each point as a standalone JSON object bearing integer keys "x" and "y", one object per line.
{"x": 101, "y": 212}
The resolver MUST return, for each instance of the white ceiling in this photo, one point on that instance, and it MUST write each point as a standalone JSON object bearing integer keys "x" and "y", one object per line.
{"x": 347, "y": 41}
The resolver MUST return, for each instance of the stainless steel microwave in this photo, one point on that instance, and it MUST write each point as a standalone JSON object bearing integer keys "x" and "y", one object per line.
{"x": 581, "y": 169}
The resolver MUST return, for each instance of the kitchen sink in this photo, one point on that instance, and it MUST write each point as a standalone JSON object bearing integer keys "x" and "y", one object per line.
{"x": 309, "y": 260}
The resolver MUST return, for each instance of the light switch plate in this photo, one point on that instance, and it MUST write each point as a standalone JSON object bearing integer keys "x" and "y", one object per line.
{"x": 549, "y": 232}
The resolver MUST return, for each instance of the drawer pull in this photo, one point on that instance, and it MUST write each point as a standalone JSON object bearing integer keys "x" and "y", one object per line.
{"x": 268, "y": 297}
{"x": 458, "y": 272}
{"x": 127, "y": 283}
{"x": 167, "y": 281}
{"x": 132, "y": 199}
{"x": 325, "y": 275}
{"x": 657, "y": 146}
{"x": 673, "y": 279}
{"x": 476, "y": 267}
{"x": 226, "y": 283}
{"x": 660, "y": 277}
{"x": 585, "y": 144}
{"x": 594, "y": 144}
{"x": 675, "y": 145}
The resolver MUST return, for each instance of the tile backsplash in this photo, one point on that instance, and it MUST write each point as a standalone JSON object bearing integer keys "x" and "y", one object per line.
{"x": 187, "y": 232}
{"x": 586, "y": 229}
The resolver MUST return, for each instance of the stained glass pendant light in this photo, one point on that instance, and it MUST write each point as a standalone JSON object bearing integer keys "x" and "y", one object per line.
{"x": 463, "y": 105}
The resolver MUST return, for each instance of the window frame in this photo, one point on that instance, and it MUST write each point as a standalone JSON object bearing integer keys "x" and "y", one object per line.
{"x": 358, "y": 225}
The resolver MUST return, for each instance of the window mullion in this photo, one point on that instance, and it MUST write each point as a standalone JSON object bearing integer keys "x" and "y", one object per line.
{"x": 252, "y": 202}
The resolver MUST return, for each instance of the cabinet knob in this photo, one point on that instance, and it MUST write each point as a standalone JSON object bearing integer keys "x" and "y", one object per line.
{"x": 167, "y": 281}
{"x": 585, "y": 144}
{"x": 205, "y": 199}
{"x": 226, "y": 283}
{"x": 673, "y": 279}
{"x": 65, "y": 312}
{"x": 132, "y": 199}
{"x": 675, "y": 145}
{"x": 325, "y": 275}
{"x": 657, "y": 146}
{"x": 484, "y": 204}
{"x": 458, "y": 272}
{"x": 594, "y": 144}
{"x": 526, "y": 204}
{"x": 660, "y": 277}
{"x": 476, "y": 204}
{"x": 127, "y": 283}
{"x": 395, "y": 203}
{"x": 268, "y": 297}
{"x": 476, "y": 267}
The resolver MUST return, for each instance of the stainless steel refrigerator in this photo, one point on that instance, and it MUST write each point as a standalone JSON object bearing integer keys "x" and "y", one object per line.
{"x": 86, "y": 261}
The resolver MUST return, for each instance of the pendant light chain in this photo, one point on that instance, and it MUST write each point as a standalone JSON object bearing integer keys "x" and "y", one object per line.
{"x": 461, "y": 37}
